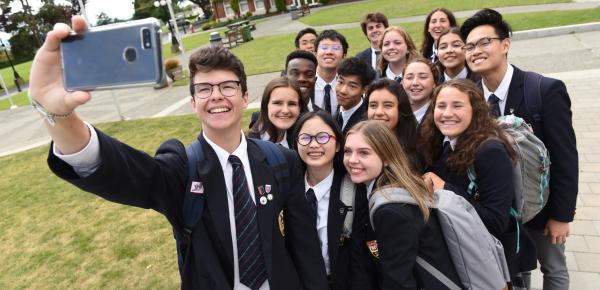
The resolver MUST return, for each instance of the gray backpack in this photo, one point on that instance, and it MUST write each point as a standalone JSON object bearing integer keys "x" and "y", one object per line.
{"x": 478, "y": 256}
{"x": 531, "y": 175}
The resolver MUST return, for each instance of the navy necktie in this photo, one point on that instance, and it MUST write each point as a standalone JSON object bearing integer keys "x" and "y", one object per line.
{"x": 327, "y": 99}
{"x": 398, "y": 79}
{"x": 251, "y": 262}
{"x": 447, "y": 149}
{"x": 494, "y": 105}
{"x": 312, "y": 201}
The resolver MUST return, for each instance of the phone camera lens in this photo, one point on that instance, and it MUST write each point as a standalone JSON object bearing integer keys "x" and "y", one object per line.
{"x": 146, "y": 38}
{"x": 130, "y": 54}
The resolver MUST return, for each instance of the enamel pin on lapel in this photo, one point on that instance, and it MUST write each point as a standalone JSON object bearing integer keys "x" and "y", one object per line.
{"x": 268, "y": 190}
{"x": 261, "y": 192}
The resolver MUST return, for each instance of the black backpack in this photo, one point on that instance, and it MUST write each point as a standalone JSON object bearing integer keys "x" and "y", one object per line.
{"x": 193, "y": 203}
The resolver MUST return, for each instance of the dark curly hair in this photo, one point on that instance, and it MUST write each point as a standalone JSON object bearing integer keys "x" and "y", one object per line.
{"x": 482, "y": 128}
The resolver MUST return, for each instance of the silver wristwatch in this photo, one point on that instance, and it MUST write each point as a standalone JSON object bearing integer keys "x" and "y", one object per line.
{"x": 50, "y": 117}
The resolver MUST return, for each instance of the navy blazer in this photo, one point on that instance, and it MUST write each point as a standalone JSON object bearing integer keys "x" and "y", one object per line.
{"x": 366, "y": 55}
{"x": 339, "y": 248}
{"x": 132, "y": 177}
{"x": 494, "y": 172}
{"x": 359, "y": 115}
{"x": 556, "y": 131}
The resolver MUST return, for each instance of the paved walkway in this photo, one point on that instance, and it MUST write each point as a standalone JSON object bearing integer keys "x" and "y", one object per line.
{"x": 573, "y": 58}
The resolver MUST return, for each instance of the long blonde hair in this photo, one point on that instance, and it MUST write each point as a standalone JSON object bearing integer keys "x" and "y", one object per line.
{"x": 411, "y": 49}
{"x": 398, "y": 170}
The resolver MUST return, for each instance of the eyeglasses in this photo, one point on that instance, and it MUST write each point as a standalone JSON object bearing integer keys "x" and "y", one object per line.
{"x": 334, "y": 47}
{"x": 205, "y": 90}
{"x": 482, "y": 42}
{"x": 321, "y": 138}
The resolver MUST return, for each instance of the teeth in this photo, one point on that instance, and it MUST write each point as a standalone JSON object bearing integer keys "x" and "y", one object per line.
{"x": 315, "y": 154}
{"x": 219, "y": 110}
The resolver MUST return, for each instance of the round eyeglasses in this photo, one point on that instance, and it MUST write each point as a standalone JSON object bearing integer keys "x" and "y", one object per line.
{"x": 205, "y": 90}
{"x": 321, "y": 138}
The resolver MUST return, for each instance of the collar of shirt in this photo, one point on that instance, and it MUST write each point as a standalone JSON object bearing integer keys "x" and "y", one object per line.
{"x": 347, "y": 114}
{"x": 420, "y": 113}
{"x": 461, "y": 75}
{"x": 265, "y": 136}
{"x": 390, "y": 74}
{"x": 452, "y": 142}
{"x": 321, "y": 83}
{"x": 433, "y": 52}
{"x": 374, "y": 58}
{"x": 322, "y": 188}
{"x": 502, "y": 90}
{"x": 241, "y": 152}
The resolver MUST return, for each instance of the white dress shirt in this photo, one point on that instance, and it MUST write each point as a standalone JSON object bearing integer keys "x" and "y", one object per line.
{"x": 88, "y": 159}
{"x": 322, "y": 191}
{"x": 390, "y": 74}
{"x": 265, "y": 136}
{"x": 420, "y": 113}
{"x": 374, "y": 59}
{"x": 502, "y": 90}
{"x": 461, "y": 75}
{"x": 347, "y": 114}
{"x": 320, "y": 94}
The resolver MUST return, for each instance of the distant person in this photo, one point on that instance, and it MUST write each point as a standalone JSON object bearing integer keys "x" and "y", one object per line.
{"x": 373, "y": 25}
{"x": 420, "y": 78}
{"x": 487, "y": 44}
{"x": 305, "y": 40}
{"x": 241, "y": 241}
{"x": 354, "y": 76}
{"x": 451, "y": 57}
{"x": 331, "y": 50}
{"x": 403, "y": 232}
{"x": 396, "y": 48}
{"x": 437, "y": 21}
{"x": 280, "y": 107}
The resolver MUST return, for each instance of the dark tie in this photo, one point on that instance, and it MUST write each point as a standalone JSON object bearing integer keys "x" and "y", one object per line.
{"x": 494, "y": 106}
{"x": 327, "y": 98}
{"x": 398, "y": 79}
{"x": 447, "y": 149}
{"x": 251, "y": 262}
{"x": 339, "y": 120}
{"x": 312, "y": 201}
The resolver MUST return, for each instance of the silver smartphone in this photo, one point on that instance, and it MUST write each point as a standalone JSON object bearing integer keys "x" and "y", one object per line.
{"x": 113, "y": 56}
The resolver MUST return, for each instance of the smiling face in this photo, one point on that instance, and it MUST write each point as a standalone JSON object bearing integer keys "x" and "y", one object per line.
{"x": 383, "y": 106}
{"x": 348, "y": 91}
{"x": 330, "y": 53}
{"x": 450, "y": 51}
{"x": 453, "y": 112}
{"x": 374, "y": 32}
{"x": 360, "y": 160}
{"x": 394, "y": 48}
{"x": 283, "y": 107}
{"x": 486, "y": 60}
{"x": 437, "y": 24}
{"x": 418, "y": 83}
{"x": 219, "y": 114}
{"x": 307, "y": 42}
{"x": 303, "y": 72}
{"x": 316, "y": 155}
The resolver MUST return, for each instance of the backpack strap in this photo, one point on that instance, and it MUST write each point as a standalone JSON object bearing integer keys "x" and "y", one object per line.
{"x": 347, "y": 196}
{"x": 382, "y": 197}
{"x": 193, "y": 203}
{"x": 276, "y": 161}
{"x": 532, "y": 90}
{"x": 437, "y": 274}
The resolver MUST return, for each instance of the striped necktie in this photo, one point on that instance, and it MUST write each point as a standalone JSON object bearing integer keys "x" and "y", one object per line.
{"x": 251, "y": 262}
{"x": 493, "y": 101}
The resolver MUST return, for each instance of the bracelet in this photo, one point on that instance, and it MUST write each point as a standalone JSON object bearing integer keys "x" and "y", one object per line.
{"x": 50, "y": 117}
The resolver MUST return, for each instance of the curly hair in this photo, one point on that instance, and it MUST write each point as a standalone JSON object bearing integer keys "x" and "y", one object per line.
{"x": 482, "y": 128}
{"x": 427, "y": 44}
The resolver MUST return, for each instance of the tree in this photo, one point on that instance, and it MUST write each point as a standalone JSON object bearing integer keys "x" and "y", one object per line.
{"x": 280, "y": 5}
{"x": 145, "y": 8}
{"x": 75, "y": 9}
{"x": 235, "y": 5}
{"x": 103, "y": 19}
{"x": 205, "y": 5}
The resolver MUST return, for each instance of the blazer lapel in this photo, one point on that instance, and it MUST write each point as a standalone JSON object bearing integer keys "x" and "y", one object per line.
{"x": 335, "y": 218}
{"x": 211, "y": 174}
{"x": 264, "y": 184}
{"x": 515, "y": 92}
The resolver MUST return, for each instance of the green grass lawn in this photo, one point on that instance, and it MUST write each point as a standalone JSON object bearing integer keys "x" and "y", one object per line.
{"x": 401, "y": 8}
{"x": 54, "y": 236}
{"x": 19, "y": 99}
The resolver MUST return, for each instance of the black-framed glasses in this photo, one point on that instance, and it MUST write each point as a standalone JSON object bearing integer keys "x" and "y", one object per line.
{"x": 321, "y": 138}
{"x": 205, "y": 90}
{"x": 482, "y": 42}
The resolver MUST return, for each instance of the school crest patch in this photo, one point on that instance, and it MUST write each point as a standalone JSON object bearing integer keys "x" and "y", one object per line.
{"x": 372, "y": 245}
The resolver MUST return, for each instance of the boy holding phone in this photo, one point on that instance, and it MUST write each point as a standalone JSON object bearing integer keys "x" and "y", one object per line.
{"x": 283, "y": 258}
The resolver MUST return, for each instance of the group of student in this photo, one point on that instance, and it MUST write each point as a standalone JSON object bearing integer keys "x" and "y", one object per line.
{"x": 389, "y": 118}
